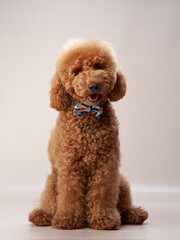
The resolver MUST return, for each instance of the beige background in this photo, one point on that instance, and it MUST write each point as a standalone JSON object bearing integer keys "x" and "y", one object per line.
{"x": 146, "y": 37}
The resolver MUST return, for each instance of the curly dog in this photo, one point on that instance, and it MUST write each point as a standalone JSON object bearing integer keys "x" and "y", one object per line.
{"x": 85, "y": 187}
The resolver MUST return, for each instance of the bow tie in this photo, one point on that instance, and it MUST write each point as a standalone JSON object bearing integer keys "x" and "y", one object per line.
{"x": 96, "y": 110}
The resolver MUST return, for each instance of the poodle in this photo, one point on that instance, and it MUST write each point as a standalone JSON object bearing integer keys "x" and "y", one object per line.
{"x": 85, "y": 187}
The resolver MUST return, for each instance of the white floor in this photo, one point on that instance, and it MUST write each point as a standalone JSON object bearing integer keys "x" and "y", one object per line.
{"x": 163, "y": 222}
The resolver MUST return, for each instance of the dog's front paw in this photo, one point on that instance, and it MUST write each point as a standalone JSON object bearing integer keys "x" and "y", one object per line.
{"x": 67, "y": 222}
{"x": 110, "y": 220}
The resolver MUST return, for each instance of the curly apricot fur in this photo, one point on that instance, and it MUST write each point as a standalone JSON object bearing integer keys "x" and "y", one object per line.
{"x": 85, "y": 187}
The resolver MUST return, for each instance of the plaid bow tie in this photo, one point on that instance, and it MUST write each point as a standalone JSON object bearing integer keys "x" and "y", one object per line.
{"x": 96, "y": 110}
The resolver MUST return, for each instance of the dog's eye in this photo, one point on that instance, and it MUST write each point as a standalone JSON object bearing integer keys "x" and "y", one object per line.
{"x": 97, "y": 66}
{"x": 77, "y": 71}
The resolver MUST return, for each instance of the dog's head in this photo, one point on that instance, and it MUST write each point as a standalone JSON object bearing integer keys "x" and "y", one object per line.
{"x": 86, "y": 71}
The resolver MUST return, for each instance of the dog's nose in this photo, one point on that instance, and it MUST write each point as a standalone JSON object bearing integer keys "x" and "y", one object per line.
{"x": 93, "y": 87}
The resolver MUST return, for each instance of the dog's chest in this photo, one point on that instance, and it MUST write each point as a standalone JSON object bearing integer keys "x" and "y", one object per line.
{"x": 91, "y": 135}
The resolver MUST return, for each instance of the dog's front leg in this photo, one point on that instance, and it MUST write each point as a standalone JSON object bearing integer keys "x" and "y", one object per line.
{"x": 70, "y": 199}
{"x": 102, "y": 197}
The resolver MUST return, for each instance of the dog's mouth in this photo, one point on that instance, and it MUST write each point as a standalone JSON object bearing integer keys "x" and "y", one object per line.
{"x": 93, "y": 97}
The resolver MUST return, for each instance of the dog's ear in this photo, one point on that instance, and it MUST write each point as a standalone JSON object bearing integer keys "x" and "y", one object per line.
{"x": 59, "y": 98}
{"x": 119, "y": 89}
